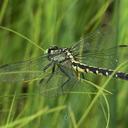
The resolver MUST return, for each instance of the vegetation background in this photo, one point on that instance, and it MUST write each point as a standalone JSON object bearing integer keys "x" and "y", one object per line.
{"x": 50, "y": 22}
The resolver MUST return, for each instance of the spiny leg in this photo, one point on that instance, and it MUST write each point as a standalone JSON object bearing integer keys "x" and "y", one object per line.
{"x": 47, "y": 66}
{"x": 66, "y": 74}
{"x": 52, "y": 73}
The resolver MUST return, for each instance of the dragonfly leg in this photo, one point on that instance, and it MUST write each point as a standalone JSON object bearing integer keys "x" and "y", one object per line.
{"x": 47, "y": 66}
{"x": 51, "y": 75}
{"x": 66, "y": 74}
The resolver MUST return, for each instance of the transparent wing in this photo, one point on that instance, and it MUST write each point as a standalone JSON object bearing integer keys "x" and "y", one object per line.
{"x": 50, "y": 84}
{"x": 61, "y": 81}
{"x": 23, "y": 71}
{"x": 108, "y": 58}
{"x": 60, "y": 84}
{"x": 100, "y": 49}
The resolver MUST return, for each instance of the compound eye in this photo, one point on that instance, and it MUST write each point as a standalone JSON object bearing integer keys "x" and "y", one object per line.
{"x": 52, "y": 49}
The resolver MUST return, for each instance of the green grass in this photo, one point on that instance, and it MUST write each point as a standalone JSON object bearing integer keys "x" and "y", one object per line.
{"x": 27, "y": 28}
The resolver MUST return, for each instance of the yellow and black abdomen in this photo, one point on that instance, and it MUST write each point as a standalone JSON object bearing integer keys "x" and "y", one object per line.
{"x": 79, "y": 67}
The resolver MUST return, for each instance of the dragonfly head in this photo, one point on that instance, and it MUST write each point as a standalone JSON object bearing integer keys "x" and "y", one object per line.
{"x": 57, "y": 54}
{"x": 53, "y": 50}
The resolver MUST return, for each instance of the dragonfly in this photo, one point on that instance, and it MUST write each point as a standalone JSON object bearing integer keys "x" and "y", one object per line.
{"x": 60, "y": 68}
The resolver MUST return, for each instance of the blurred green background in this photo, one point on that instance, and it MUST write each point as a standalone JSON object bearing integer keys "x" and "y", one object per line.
{"x": 50, "y": 22}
